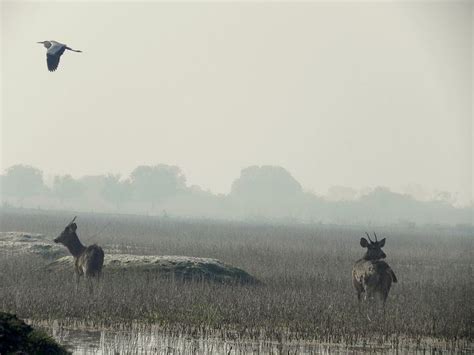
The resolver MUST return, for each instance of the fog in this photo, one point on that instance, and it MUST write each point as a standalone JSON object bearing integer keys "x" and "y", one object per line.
{"x": 348, "y": 98}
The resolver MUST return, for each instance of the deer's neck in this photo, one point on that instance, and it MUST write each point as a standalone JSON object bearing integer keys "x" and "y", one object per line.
{"x": 366, "y": 258}
{"x": 370, "y": 258}
{"x": 75, "y": 247}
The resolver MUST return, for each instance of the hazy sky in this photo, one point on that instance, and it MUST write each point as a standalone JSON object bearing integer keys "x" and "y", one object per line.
{"x": 354, "y": 94}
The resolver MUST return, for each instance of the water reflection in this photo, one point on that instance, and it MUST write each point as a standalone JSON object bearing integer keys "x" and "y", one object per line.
{"x": 152, "y": 340}
{"x": 82, "y": 341}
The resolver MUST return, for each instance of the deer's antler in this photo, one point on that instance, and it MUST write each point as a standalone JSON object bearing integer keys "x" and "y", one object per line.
{"x": 368, "y": 236}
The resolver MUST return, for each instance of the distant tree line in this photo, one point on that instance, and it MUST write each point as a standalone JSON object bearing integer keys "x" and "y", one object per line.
{"x": 260, "y": 193}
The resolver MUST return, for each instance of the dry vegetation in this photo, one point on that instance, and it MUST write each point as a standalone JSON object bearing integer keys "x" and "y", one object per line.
{"x": 305, "y": 270}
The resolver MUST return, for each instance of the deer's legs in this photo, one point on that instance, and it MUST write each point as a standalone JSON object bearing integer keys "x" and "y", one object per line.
{"x": 370, "y": 302}
{"x": 97, "y": 282}
{"x": 359, "y": 301}
{"x": 89, "y": 284}
{"x": 384, "y": 301}
{"x": 77, "y": 278}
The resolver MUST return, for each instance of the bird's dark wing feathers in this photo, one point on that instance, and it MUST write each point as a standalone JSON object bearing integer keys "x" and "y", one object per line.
{"x": 53, "y": 61}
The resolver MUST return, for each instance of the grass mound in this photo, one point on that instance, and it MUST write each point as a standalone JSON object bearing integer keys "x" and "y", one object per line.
{"x": 182, "y": 267}
{"x": 20, "y": 243}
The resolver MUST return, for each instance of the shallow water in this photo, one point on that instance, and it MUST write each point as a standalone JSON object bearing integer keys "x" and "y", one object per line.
{"x": 153, "y": 341}
{"x": 82, "y": 341}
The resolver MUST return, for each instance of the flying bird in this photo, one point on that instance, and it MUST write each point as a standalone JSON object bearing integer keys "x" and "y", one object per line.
{"x": 54, "y": 53}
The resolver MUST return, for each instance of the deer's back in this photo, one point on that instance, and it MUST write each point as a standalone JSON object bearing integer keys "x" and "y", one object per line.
{"x": 372, "y": 274}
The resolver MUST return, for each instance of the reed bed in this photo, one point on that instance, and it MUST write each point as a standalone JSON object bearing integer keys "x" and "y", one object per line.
{"x": 306, "y": 293}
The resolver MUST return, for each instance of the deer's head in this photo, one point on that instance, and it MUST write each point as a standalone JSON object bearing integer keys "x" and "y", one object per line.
{"x": 68, "y": 234}
{"x": 374, "y": 248}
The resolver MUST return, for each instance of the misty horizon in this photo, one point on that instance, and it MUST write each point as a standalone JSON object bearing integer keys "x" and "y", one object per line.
{"x": 260, "y": 193}
{"x": 333, "y": 193}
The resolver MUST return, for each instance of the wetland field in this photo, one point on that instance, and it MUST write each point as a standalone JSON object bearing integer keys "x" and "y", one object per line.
{"x": 304, "y": 301}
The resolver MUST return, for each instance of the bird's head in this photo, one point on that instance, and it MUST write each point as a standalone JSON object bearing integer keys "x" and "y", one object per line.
{"x": 47, "y": 44}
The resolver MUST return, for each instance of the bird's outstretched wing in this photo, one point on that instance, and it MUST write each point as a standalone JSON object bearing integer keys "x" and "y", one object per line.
{"x": 53, "y": 54}
{"x": 53, "y": 61}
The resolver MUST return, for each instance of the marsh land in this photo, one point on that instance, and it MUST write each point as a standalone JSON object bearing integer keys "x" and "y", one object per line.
{"x": 305, "y": 295}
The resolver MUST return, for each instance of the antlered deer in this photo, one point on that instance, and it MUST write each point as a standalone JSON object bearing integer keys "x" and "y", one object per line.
{"x": 88, "y": 261}
{"x": 371, "y": 275}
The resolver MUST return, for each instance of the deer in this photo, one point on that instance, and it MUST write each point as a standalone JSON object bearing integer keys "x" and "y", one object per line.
{"x": 88, "y": 261}
{"x": 371, "y": 275}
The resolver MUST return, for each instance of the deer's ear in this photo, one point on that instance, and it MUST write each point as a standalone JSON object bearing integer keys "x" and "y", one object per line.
{"x": 382, "y": 243}
{"x": 364, "y": 243}
{"x": 73, "y": 226}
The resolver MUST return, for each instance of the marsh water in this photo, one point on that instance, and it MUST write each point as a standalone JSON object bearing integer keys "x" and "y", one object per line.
{"x": 81, "y": 340}
{"x": 150, "y": 342}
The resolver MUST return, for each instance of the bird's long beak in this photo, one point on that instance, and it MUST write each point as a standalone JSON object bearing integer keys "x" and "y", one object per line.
{"x": 40, "y": 42}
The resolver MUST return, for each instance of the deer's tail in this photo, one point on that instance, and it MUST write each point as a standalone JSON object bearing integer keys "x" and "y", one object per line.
{"x": 94, "y": 259}
{"x": 394, "y": 278}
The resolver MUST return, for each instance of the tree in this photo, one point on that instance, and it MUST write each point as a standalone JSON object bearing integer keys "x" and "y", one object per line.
{"x": 22, "y": 181}
{"x": 92, "y": 185}
{"x": 153, "y": 184}
{"x": 263, "y": 192}
{"x": 65, "y": 187}
{"x": 116, "y": 191}
{"x": 444, "y": 196}
{"x": 265, "y": 183}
